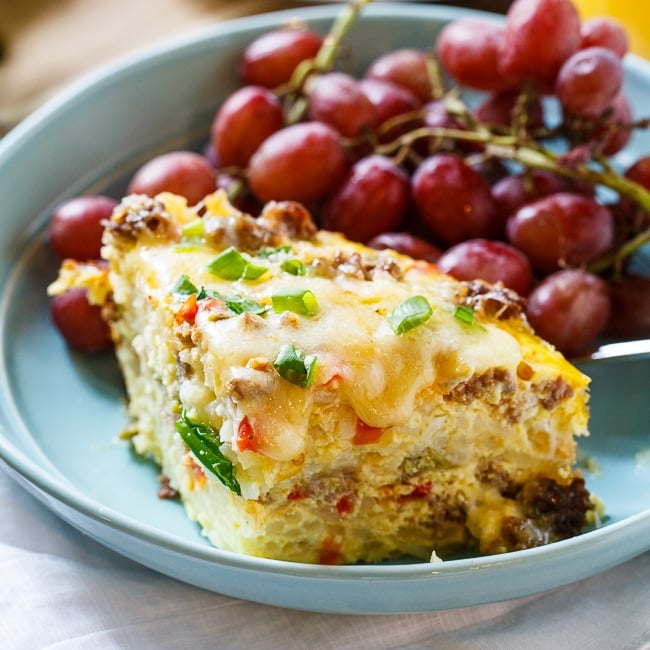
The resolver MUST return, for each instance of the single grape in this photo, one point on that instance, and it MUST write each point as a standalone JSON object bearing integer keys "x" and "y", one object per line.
{"x": 630, "y": 317}
{"x": 513, "y": 191}
{"x": 180, "y": 172}
{"x": 453, "y": 199}
{"x": 337, "y": 99}
{"x": 489, "y": 260}
{"x": 569, "y": 309}
{"x": 633, "y": 219}
{"x": 539, "y": 36}
{"x": 247, "y": 117}
{"x": 373, "y": 199}
{"x": 76, "y": 227}
{"x": 437, "y": 116}
{"x": 502, "y": 109}
{"x": 588, "y": 82}
{"x": 407, "y": 244}
{"x": 469, "y": 50}
{"x": 561, "y": 229}
{"x": 405, "y": 67}
{"x": 604, "y": 32}
{"x": 492, "y": 169}
{"x": 388, "y": 100}
{"x": 616, "y": 133}
{"x": 271, "y": 59}
{"x": 302, "y": 162}
{"x": 80, "y": 323}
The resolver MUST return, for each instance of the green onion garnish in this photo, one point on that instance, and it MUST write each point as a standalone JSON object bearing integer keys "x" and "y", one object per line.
{"x": 409, "y": 314}
{"x": 464, "y": 314}
{"x": 293, "y": 366}
{"x": 192, "y": 235}
{"x": 194, "y": 229}
{"x": 232, "y": 265}
{"x": 267, "y": 251}
{"x": 299, "y": 301}
{"x": 236, "y": 304}
{"x": 204, "y": 443}
{"x": 295, "y": 267}
{"x": 184, "y": 286}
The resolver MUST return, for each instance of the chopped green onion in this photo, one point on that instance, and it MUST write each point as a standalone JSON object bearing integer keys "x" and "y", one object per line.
{"x": 184, "y": 286}
{"x": 194, "y": 229}
{"x": 236, "y": 304}
{"x": 409, "y": 314}
{"x": 192, "y": 235}
{"x": 299, "y": 301}
{"x": 464, "y": 314}
{"x": 232, "y": 265}
{"x": 204, "y": 443}
{"x": 295, "y": 267}
{"x": 293, "y": 366}
{"x": 239, "y": 305}
{"x": 267, "y": 251}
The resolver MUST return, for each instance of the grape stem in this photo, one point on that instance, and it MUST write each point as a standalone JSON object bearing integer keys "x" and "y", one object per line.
{"x": 324, "y": 59}
{"x": 533, "y": 156}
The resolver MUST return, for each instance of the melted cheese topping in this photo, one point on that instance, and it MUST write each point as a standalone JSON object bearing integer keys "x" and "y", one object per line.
{"x": 380, "y": 373}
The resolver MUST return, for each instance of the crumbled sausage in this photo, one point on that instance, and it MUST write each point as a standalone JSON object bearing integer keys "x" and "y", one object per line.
{"x": 552, "y": 392}
{"x": 493, "y": 474}
{"x": 355, "y": 265}
{"x": 495, "y": 381}
{"x": 290, "y": 219}
{"x": 493, "y": 300}
{"x": 166, "y": 491}
{"x": 242, "y": 231}
{"x": 138, "y": 215}
{"x": 565, "y": 505}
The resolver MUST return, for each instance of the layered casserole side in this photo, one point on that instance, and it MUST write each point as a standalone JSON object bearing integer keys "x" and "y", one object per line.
{"x": 277, "y": 375}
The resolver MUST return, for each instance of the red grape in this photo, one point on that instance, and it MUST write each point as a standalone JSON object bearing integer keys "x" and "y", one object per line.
{"x": 453, "y": 199}
{"x": 588, "y": 82}
{"x": 302, "y": 162}
{"x": 405, "y": 67}
{"x": 271, "y": 59}
{"x": 388, "y": 99}
{"x": 539, "y": 36}
{"x": 249, "y": 116}
{"x": 605, "y": 32}
{"x": 436, "y": 116}
{"x": 569, "y": 309}
{"x": 180, "y": 172}
{"x": 79, "y": 322}
{"x": 635, "y": 218}
{"x": 561, "y": 229}
{"x": 469, "y": 51}
{"x": 373, "y": 199}
{"x": 76, "y": 227}
{"x": 616, "y": 134}
{"x": 489, "y": 260}
{"x": 630, "y": 316}
{"x": 336, "y": 99}
{"x": 407, "y": 244}
{"x": 513, "y": 191}
{"x": 501, "y": 109}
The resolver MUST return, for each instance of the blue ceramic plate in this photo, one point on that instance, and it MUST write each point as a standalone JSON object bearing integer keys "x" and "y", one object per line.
{"x": 61, "y": 413}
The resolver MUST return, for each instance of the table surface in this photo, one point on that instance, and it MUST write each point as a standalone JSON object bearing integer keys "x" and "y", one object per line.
{"x": 60, "y": 589}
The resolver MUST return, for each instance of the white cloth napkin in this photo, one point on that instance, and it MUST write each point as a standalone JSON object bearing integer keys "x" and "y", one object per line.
{"x": 61, "y": 590}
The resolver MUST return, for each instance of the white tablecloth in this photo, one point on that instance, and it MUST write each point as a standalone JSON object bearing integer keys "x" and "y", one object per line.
{"x": 61, "y": 590}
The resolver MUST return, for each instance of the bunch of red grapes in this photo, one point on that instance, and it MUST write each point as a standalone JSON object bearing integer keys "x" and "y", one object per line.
{"x": 397, "y": 159}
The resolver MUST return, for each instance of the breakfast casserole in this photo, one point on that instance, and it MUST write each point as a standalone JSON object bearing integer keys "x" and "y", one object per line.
{"x": 314, "y": 400}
